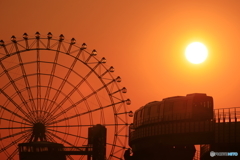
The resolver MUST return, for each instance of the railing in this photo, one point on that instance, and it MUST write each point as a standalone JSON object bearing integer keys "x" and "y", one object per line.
{"x": 156, "y": 127}
{"x": 227, "y": 115}
{"x": 220, "y": 115}
{"x": 77, "y": 149}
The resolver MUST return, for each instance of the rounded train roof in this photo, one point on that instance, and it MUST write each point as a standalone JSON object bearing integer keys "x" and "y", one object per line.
{"x": 197, "y": 94}
{"x": 174, "y": 97}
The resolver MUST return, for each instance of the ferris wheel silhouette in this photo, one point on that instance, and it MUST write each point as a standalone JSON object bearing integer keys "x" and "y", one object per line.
{"x": 53, "y": 90}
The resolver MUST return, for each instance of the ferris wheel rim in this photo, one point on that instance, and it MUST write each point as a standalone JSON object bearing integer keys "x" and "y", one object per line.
{"x": 107, "y": 89}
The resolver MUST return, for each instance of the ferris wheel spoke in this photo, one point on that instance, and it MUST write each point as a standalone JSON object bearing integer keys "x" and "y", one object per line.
{"x": 16, "y": 114}
{"x": 71, "y": 107}
{"x": 75, "y": 88}
{"x": 44, "y": 114}
{"x": 15, "y": 134}
{"x": 67, "y": 133}
{"x": 17, "y": 91}
{"x": 63, "y": 140}
{"x": 50, "y": 138}
{"x": 24, "y": 75}
{"x": 80, "y": 101}
{"x": 15, "y": 128}
{"x": 52, "y": 89}
{"x": 13, "y": 142}
{"x": 47, "y": 94}
{"x": 65, "y": 80}
{"x": 14, "y": 153}
{"x": 85, "y": 125}
{"x": 77, "y": 115}
{"x": 10, "y": 120}
{"x": 38, "y": 78}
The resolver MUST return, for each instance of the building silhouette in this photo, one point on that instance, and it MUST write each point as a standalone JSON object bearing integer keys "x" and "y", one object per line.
{"x": 45, "y": 150}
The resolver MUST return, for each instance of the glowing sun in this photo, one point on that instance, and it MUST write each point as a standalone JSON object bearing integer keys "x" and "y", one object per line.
{"x": 196, "y": 52}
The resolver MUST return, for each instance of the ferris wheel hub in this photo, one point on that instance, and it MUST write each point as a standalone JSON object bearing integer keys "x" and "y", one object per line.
{"x": 38, "y": 132}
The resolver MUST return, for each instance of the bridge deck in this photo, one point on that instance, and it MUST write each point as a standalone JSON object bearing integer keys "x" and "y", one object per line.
{"x": 198, "y": 132}
{"x": 225, "y": 128}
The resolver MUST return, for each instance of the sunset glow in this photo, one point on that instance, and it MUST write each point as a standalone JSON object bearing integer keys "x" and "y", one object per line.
{"x": 196, "y": 52}
{"x": 157, "y": 50}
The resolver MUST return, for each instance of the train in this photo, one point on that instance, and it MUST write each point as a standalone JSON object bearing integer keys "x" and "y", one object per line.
{"x": 195, "y": 106}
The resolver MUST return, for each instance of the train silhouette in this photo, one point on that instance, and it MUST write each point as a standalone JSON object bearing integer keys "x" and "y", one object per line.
{"x": 196, "y": 106}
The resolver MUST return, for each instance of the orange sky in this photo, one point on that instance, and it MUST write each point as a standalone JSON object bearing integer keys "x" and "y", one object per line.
{"x": 145, "y": 41}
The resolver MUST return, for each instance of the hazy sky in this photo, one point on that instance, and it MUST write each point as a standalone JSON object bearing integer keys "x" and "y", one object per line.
{"x": 145, "y": 41}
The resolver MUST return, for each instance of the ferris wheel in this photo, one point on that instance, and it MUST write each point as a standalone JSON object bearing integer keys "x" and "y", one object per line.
{"x": 63, "y": 87}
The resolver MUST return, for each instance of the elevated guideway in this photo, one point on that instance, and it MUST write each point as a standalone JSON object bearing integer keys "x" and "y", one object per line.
{"x": 221, "y": 132}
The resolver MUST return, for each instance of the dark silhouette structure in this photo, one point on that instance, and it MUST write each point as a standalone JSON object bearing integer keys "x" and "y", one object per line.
{"x": 52, "y": 91}
{"x": 158, "y": 132}
{"x": 43, "y": 150}
{"x": 38, "y": 132}
{"x": 127, "y": 154}
{"x": 97, "y": 139}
